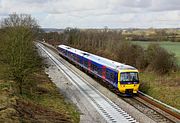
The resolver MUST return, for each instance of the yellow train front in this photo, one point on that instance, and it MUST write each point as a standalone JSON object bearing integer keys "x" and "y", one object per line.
{"x": 128, "y": 81}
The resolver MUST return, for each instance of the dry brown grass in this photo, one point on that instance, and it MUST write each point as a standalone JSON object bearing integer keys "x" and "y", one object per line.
{"x": 42, "y": 103}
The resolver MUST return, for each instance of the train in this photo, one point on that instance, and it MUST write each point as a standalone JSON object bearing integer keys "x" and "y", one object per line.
{"x": 122, "y": 77}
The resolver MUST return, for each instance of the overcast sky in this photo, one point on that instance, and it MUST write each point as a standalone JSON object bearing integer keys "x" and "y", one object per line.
{"x": 97, "y": 13}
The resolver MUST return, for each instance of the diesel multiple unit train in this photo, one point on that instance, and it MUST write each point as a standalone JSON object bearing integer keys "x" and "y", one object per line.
{"x": 122, "y": 77}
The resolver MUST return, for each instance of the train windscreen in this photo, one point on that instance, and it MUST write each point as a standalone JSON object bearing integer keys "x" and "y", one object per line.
{"x": 129, "y": 78}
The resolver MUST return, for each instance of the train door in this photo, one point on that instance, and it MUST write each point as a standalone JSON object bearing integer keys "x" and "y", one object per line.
{"x": 119, "y": 83}
{"x": 104, "y": 72}
{"x": 116, "y": 79}
{"x": 89, "y": 64}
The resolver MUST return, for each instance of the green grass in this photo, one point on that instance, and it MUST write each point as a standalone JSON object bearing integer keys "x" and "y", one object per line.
{"x": 173, "y": 47}
{"x": 164, "y": 88}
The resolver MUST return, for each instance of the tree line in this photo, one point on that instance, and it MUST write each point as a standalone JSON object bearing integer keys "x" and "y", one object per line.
{"x": 112, "y": 45}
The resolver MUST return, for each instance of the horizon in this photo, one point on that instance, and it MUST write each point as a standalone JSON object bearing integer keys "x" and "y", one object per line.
{"x": 112, "y": 28}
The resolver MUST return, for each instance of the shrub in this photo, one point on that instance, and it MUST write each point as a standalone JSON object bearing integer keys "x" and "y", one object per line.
{"x": 131, "y": 54}
{"x": 141, "y": 61}
{"x": 160, "y": 60}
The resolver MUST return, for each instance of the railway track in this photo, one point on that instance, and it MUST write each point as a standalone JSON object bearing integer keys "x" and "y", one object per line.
{"x": 147, "y": 106}
{"x": 150, "y": 111}
{"x": 109, "y": 110}
{"x": 154, "y": 110}
{"x": 150, "y": 108}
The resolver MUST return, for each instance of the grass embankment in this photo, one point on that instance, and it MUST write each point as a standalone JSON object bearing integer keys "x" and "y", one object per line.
{"x": 163, "y": 87}
{"x": 42, "y": 103}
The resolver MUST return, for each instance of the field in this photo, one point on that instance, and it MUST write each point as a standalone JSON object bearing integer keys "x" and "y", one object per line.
{"x": 173, "y": 47}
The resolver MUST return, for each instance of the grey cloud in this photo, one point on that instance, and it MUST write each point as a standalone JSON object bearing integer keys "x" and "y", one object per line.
{"x": 33, "y": 1}
{"x": 96, "y": 12}
{"x": 165, "y": 5}
{"x": 136, "y": 3}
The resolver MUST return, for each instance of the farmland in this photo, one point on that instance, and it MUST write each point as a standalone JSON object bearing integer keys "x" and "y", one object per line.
{"x": 173, "y": 47}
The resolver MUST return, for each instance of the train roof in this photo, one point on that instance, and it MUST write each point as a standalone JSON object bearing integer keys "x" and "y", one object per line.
{"x": 98, "y": 59}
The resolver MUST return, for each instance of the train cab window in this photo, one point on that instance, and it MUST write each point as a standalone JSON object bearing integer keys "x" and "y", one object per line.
{"x": 129, "y": 77}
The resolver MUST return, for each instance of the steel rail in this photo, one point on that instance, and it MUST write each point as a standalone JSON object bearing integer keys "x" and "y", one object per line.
{"x": 164, "y": 107}
{"x": 168, "y": 106}
{"x": 109, "y": 110}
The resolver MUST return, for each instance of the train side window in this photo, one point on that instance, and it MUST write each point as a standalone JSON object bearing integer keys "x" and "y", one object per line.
{"x": 107, "y": 74}
{"x": 78, "y": 59}
{"x": 100, "y": 71}
{"x": 95, "y": 68}
{"x": 112, "y": 76}
{"x": 85, "y": 63}
{"x": 92, "y": 67}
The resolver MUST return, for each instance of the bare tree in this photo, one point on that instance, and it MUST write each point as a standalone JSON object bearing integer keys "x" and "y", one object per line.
{"x": 17, "y": 46}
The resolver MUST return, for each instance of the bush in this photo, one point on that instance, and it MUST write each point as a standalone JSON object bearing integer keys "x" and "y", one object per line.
{"x": 131, "y": 54}
{"x": 141, "y": 61}
{"x": 160, "y": 60}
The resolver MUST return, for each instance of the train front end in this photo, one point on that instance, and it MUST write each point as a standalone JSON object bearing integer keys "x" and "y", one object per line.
{"x": 128, "y": 81}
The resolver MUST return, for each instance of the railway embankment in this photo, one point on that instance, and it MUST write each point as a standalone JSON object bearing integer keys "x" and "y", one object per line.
{"x": 113, "y": 97}
{"x": 26, "y": 92}
{"x": 159, "y": 118}
{"x": 40, "y": 101}
{"x": 163, "y": 87}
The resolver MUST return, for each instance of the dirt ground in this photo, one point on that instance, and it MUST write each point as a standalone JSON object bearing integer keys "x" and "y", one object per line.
{"x": 30, "y": 112}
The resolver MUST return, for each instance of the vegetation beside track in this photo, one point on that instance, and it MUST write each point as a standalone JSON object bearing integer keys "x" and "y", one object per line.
{"x": 162, "y": 87}
{"x": 43, "y": 103}
{"x": 165, "y": 88}
{"x": 159, "y": 71}
{"x": 26, "y": 93}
